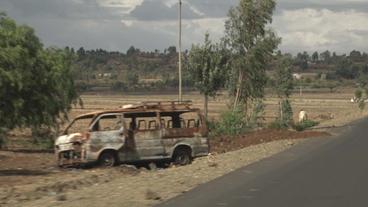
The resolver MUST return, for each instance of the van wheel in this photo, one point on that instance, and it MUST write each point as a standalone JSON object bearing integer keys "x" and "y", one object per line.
{"x": 182, "y": 157}
{"x": 107, "y": 159}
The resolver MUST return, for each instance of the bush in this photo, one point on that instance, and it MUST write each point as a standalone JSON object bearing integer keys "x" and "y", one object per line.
{"x": 306, "y": 124}
{"x": 277, "y": 124}
{"x": 285, "y": 116}
{"x": 256, "y": 116}
{"x": 231, "y": 123}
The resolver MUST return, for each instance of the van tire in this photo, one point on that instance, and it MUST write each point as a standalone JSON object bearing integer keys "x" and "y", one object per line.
{"x": 182, "y": 156}
{"x": 108, "y": 159}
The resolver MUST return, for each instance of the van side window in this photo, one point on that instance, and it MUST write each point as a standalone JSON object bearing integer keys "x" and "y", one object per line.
{"x": 191, "y": 120}
{"x": 108, "y": 123}
{"x": 180, "y": 120}
{"x": 142, "y": 121}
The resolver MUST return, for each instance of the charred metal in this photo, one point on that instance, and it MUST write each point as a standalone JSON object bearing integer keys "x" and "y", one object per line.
{"x": 150, "y": 131}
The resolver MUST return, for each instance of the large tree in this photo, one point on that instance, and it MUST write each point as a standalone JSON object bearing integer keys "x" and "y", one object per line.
{"x": 36, "y": 85}
{"x": 252, "y": 45}
{"x": 207, "y": 65}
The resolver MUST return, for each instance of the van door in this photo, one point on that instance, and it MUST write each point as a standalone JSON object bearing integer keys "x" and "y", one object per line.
{"x": 145, "y": 137}
{"x": 106, "y": 132}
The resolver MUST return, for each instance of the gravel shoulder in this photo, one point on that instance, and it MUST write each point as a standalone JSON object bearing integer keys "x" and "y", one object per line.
{"x": 147, "y": 188}
{"x": 32, "y": 179}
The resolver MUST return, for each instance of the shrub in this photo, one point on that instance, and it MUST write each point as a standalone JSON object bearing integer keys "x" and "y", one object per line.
{"x": 285, "y": 116}
{"x": 306, "y": 124}
{"x": 231, "y": 122}
{"x": 256, "y": 116}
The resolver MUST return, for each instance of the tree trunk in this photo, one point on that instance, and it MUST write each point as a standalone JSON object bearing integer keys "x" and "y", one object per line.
{"x": 281, "y": 112}
{"x": 206, "y": 106}
{"x": 238, "y": 90}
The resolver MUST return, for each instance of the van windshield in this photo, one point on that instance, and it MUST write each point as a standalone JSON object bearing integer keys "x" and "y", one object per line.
{"x": 79, "y": 125}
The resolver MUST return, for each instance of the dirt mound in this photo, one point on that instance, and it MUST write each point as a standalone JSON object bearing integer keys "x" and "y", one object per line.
{"x": 227, "y": 143}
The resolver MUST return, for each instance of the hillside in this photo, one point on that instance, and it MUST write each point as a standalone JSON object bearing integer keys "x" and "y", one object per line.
{"x": 136, "y": 70}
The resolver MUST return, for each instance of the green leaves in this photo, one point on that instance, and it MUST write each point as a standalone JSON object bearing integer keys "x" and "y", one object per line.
{"x": 207, "y": 65}
{"x": 36, "y": 85}
{"x": 284, "y": 78}
{"x": 252, "y": 45}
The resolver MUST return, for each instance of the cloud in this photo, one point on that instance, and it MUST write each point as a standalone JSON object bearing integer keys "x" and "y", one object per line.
{"x": 316, "y": 29}
{"x": 332, "y": 5}
{"x": 159, "y": 10}
{"x": 339, "y": 25}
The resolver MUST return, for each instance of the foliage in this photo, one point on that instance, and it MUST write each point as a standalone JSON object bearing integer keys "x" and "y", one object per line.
{"x": 315, "y": 57}
{"x": 232, "y": 122}
{"x": 306, "y": 124}
{"x": 284, "y": 82}
{"x": 252, "y": 46}
{"x": 257, "y": 114}
{"x": 361, "y": 95}
{"x": 301, "y": 60}
{"x": 346, "y": 69}
{"x": 131, "y": 79}
{"x": 36, "y": 84}
{"x": 207, "y": 66}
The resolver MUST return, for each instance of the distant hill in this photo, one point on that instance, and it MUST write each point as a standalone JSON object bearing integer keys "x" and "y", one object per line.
{"x": 137, "y": 70}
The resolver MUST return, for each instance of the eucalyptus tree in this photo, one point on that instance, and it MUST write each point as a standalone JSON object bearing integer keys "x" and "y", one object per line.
{"x": 252, "y": 44}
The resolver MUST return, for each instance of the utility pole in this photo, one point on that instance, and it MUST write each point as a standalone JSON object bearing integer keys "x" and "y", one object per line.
{"x": 180, "y": 77}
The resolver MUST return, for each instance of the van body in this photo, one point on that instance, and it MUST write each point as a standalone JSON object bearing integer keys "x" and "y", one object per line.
{"x": 150, "y": 131}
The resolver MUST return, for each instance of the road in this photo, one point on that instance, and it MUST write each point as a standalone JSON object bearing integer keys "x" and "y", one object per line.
{"x": 317, "y": 173}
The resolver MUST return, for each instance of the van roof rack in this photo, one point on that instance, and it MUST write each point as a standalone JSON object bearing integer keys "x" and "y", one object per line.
{"x": 166, "y": 104}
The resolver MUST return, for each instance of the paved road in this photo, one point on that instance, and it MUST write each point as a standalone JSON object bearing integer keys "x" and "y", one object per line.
{"x": 318, "y": 173}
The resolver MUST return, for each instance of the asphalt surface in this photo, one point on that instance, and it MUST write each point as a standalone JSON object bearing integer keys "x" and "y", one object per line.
{"x": 320, "y": 172}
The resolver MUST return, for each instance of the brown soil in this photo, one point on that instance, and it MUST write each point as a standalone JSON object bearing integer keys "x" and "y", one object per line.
{"x": 227, "y": 143}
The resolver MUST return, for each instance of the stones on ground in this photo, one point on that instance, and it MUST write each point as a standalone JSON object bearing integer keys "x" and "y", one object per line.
{"x": 290, "y": 143}
{"x": 152, "y": 166}
{"x": 211, "y": 160}
{"x": 151, "y": 195}
{"x": 61, "y": 197}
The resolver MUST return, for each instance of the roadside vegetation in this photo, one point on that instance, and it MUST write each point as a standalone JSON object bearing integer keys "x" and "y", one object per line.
{"x": 36, "y": 83}
{"x": 39, "y": 85}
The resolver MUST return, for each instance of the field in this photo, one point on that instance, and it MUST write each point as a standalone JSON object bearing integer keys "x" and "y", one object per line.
{"x": 331, "y": 109}
{"x": 33, "y": 179}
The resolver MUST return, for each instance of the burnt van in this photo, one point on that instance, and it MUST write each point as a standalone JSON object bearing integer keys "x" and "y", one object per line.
{"x": 149, "y": 131}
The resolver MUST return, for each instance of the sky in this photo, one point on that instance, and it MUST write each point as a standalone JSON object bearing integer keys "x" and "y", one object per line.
{"x": 115, "y": 25}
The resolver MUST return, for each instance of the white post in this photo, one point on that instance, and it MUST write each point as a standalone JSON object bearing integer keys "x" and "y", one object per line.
{"x": 180, "y": 77}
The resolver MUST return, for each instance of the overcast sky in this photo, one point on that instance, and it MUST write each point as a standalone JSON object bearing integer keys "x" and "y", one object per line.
{"x": 304, "y": 25}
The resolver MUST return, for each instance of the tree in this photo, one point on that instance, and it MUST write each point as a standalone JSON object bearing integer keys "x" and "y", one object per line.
{"x": 346, "y": 69}
{"x": 252, "y": 46}
{"x": 315, "y": 57}
{"x": 355, "y": 56}
{"x": 207, "y": 67}
{"x": 171, "y": 50}
{"x": 326, "y": 57}
{"x": 284, "y": 85}
{"x": 36, "y": 84}
{"x": 302, "y": 60}
{"x": 131, "y": 79}
{"x": 132, "y": 51}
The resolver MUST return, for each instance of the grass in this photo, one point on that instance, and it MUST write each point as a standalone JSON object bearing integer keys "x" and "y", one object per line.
{"x": 319, "y": 106}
